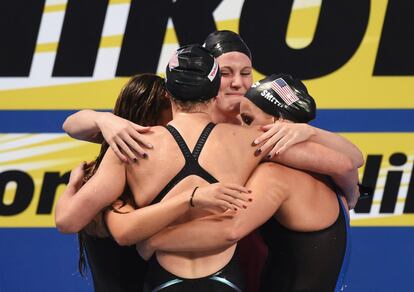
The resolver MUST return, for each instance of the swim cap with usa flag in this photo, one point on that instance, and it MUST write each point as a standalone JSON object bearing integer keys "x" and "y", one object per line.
{"x": 281, "y": 95}
{"x": 192, "y": 74}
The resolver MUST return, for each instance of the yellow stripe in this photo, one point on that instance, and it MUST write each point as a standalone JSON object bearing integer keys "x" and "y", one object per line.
{"x": 302, "y": 27}
{"x": 230, "y": 24}
{"x": 94, "y": 95}
{"x": 46, "y": 47}
{"x": 55, "y": 8}
{"x": 115, "y": 2}
{"x": 114, "y": 41}
{"x": 399, "y": 200}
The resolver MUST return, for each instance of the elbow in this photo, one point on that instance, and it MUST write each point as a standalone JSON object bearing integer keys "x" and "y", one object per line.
{"x": 66, "y": 127}
{"x": 232, "y": 233}
{"x": 360, "y": 162}
{"x": 122, "y": 240}
{"x": 346, "y": 167}
{"x": 64, "y": 226}
{"x": 122, "y": 237}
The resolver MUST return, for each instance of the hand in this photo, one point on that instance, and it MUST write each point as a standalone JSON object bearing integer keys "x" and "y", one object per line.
{"x": 77, "y": 175}
{"x": 123, "y": 135}
{"x": 281, "y": 135}
{"x": 222, "y": 195}
{"x": 144, "y": 250}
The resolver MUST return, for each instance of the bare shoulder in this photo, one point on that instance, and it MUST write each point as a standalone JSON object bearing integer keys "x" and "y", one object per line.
{"x": 238, "y": 132}
{"x": 272, "y": 168}
{"x": 280, "y": 174}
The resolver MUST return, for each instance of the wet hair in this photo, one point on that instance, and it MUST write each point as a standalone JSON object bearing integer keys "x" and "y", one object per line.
{"x": 142, "y": 100}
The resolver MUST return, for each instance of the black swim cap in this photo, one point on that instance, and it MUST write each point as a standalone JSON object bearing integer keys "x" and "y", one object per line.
{"x": 192, "y": 74}
{"x": 281, "y": 95}
{"x": 224, "y": 41}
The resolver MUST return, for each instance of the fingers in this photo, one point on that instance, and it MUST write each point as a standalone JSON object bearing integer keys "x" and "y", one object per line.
{"x": 267, "y": 127}
{"x": 282, "y": 143}
{"x": 140, "y": 139}
{"x": 237, "y": 195}
{"x": 224, "y": 206}
{"x": 283, "y": 148}
{"x": 237, "y": 187}
{"x": 134, "y": 146}
{"x": 117, "y": 152}
{"x": 125, "y": 149}
{"x": 140, "y": 129}
{"x": 270, "y": 143}
{"x": 274, "y": 129}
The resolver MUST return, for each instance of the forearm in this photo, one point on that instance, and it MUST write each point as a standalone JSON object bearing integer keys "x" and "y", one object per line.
{"x": 223, "y": 230}
{"x": 140, "y": 224}
{"x": 338, "y": 143}
{"x": 83, "y": 125}
{"x": 314, "y": 157}
{"x": 73, "y": 213}
{"x": 77, "y": 206}
{"x": 208, "y": 233}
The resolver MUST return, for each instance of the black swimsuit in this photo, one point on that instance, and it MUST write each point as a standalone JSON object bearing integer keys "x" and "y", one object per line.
{"x": 114, "y": 268}
{"x": 306, "y": 261}
{"x": 158, "y": 279}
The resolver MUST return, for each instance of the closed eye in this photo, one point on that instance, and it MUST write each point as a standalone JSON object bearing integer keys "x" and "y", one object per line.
{"x": 246, "y": 118}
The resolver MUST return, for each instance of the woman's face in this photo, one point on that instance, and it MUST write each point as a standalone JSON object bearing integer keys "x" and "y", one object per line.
{"x": 236, "y": 79}
{"x": 251, "y": 115}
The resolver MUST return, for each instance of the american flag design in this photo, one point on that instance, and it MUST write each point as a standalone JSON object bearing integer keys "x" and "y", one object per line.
{"x": 284, "y": 91}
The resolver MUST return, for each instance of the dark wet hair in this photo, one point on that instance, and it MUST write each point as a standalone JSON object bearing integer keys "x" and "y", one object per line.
{"x": 142, "y": 100}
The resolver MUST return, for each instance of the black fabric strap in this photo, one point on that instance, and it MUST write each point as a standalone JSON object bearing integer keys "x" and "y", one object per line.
{"x": 191, "y": 166}
{"x": 180, "y": 141}
{"x": 202, "y": 140}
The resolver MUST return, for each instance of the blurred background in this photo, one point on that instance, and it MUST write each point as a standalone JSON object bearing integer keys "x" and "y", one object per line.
{"x": 59, "y": 56}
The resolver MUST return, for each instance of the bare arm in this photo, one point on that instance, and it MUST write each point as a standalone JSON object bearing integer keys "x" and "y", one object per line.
{"x": 338, "y": 143}
{"x": 282, "y": 135}
{"x": 137, "y": 225}
{"x": 221, "y": 231}
{"x": 82, "y": 125}
{"x": 321, "y": 159}
{"x": 120, "y": 134}
{"x": 76, "y": 207}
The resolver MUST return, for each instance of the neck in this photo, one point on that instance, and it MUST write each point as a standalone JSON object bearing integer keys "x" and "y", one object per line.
{"x": 221, "y": 117}
{"x": 199, "y": 113}
{"x": 193, "y": 115}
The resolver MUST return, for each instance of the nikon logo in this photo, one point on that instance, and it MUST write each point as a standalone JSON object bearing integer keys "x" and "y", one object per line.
{"x": 24, "y": 191}
{"x": 340, "y": 29}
